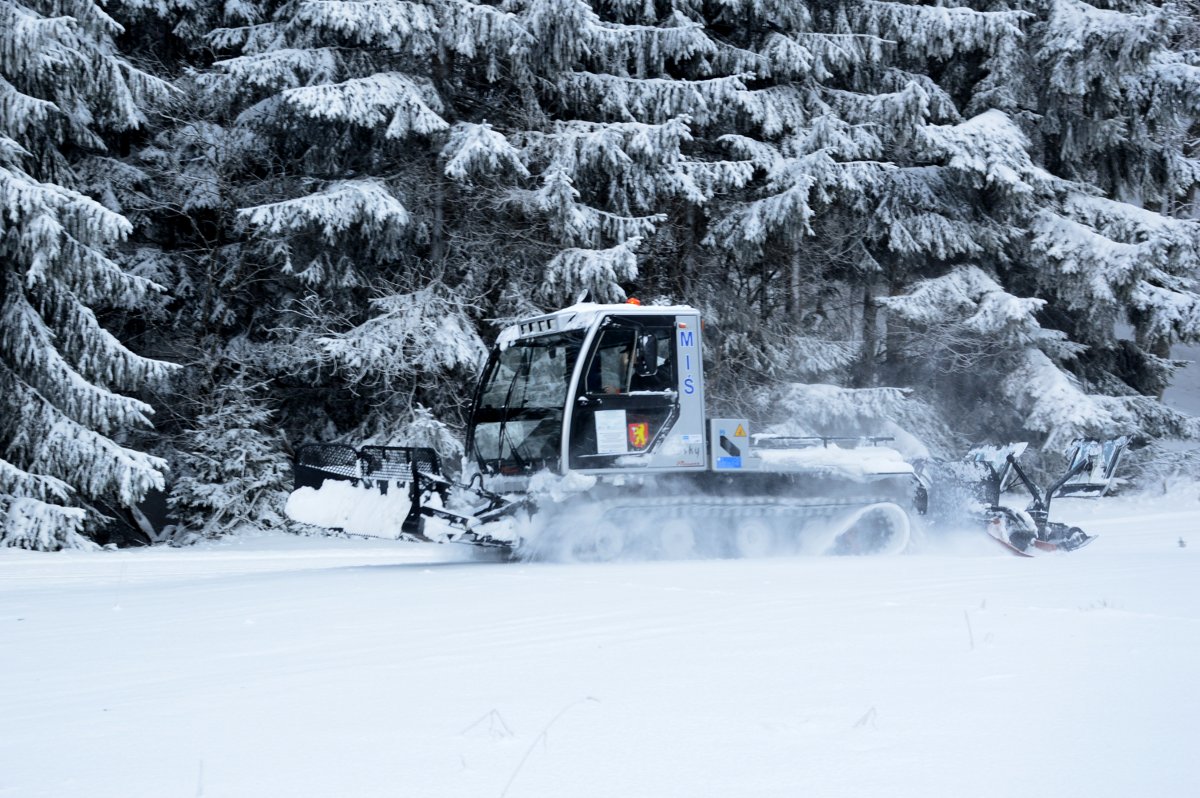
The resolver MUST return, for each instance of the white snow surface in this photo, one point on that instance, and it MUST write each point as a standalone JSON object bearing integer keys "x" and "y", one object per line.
{"x": 314, "y": 666}
{"x": 1184, "y": 391}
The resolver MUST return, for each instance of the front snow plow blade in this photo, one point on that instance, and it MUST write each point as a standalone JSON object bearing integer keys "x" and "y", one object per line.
{"x": 393, "y": 492}
{"x": 376, "y": 491}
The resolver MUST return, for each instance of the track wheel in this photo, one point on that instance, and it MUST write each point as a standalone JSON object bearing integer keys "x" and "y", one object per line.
{"x": 601, "y": 542}
{"x": 753, "y": 538}
{"x": 677, "y": 540}
{"x": 879, "y": 529}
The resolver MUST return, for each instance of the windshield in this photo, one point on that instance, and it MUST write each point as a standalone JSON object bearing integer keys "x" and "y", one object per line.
{"x": 517, "y": 424}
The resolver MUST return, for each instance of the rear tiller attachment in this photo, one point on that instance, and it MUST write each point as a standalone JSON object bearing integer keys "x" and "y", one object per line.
{"x": 1090, "y": 473}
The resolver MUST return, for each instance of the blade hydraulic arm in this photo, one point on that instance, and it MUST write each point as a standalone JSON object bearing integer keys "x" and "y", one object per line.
{"x": 1039, "y": 508}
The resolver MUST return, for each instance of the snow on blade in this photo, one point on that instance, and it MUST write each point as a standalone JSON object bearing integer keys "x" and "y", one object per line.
{"x": 353, "y": 509}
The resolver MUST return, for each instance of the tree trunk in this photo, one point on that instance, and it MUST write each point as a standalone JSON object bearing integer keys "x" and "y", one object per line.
{"x": 793, "y": 294}
{"x": 443, "y": 71}
{"x": 437, "y": 233}
{"x": 864, "y": 371}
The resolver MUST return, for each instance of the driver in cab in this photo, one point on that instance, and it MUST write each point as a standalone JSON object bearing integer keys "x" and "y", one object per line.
{"x": 632, "y": 376}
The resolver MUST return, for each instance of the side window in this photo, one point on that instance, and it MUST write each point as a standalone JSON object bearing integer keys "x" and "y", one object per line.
{"x": 663, "y": 379}
{"x": 612, "y": 367}
{"x": 612, "y": 362}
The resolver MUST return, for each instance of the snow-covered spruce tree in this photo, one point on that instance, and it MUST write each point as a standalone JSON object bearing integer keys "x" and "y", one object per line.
{"x": 898, "y": 143}
{"x": 948, "y": 173}
{"x": 174, "y": 186}
{"x": 410, "y": 171}
{"x": 448, "y": 162}
{"x": 232, "y": 471}
{"x": 620, "y": 165}
{"x": 962, "y": 335}
{"x": 1077, "y": 175}
{"x": 335, "y": 112}
{"x": 868, "y": 176}
{"x": 1118, "y": 108}
{"x": 62, "y": 87}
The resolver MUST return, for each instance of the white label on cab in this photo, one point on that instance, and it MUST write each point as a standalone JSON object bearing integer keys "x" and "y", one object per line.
{"x": 610, "y": 432}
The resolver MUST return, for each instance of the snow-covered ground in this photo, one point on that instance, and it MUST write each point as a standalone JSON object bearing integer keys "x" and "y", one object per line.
{"x": 266, "y": 666}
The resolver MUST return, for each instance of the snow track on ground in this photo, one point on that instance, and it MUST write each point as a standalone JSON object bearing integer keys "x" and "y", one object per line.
{"x": 317, "y": 666}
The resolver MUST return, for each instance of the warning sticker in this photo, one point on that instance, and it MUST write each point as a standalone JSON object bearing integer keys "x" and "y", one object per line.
{"x": 740, "y": 432}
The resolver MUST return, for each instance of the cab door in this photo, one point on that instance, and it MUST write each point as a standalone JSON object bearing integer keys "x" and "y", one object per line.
{"x": 627, "y": 413}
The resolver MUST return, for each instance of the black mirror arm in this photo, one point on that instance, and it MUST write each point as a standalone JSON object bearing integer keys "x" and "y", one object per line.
{"x": 646, "y": 355}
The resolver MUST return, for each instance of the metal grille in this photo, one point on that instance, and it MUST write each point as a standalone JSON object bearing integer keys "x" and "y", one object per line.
{"x": 317, "y": 462}
{"x": 397, "y": 463}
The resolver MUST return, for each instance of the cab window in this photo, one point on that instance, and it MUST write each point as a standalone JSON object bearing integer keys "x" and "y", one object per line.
{"x": 612, "y": 367}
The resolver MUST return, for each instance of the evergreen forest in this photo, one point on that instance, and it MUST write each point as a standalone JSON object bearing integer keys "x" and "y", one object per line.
{"x": 227, "y": 229}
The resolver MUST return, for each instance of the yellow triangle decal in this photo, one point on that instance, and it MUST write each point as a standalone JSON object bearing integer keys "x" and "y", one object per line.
{"x": 740, "y": 432}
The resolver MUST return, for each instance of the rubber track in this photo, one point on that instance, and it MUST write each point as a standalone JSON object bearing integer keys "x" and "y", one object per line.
{"x": 574, "y": 529}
